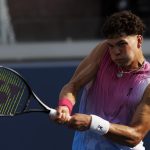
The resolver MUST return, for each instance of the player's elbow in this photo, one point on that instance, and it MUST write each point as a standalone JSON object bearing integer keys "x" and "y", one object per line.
{"x": 133, "y": 143}
{"x": 136, "y": 138}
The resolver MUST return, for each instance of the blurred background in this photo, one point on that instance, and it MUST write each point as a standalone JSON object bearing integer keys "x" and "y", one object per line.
{"x": 45, "y": 40}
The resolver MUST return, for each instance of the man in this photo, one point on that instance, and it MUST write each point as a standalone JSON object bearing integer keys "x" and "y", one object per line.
{"x": 115, "y": 104}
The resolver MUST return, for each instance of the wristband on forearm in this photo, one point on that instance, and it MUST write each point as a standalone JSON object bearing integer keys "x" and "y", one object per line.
{"x": 99, "y": 125}
{"x": 66, "y": 102}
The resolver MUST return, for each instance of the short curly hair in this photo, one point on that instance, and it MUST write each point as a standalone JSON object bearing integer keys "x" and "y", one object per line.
{"x": 123, "y": 23}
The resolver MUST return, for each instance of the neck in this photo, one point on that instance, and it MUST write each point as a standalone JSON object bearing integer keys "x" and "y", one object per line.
{"x": 123, "y": 70}
{"x": 136, "y": 64}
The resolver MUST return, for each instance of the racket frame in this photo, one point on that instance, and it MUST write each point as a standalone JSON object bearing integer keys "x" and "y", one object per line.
{"x": 25, "y": 110}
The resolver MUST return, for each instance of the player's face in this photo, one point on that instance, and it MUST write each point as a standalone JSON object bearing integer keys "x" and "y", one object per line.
{"x": 123, "y": 50}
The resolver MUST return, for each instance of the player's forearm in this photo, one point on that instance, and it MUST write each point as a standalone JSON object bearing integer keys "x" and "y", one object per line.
{"x": 124, "y": 135}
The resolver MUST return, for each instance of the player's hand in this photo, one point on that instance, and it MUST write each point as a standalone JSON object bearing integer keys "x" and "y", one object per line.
{"x": 63, "y": 115}
{"x": 80, "y": 122}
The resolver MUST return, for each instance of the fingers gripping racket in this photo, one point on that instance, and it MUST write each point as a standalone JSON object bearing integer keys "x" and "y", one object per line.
{"x": 16, "y": 95}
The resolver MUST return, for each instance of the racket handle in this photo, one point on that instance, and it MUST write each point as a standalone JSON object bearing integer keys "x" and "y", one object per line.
{"x": 52, "y": 113}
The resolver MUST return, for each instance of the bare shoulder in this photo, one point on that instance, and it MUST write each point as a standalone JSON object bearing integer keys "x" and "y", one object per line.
{"x": 98, "y": 52}
{"x": 93, "y": 59}
{"x": 87, "y": 69}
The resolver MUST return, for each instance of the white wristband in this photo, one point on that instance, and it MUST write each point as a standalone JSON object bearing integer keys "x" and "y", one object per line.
{"x": 99, "y": 125}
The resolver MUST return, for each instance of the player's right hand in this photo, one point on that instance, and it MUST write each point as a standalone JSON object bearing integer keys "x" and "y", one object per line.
{"x": 63, "y": 115}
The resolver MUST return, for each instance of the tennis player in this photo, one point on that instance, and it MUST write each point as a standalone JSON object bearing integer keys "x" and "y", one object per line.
{"x": 115, "y": 105}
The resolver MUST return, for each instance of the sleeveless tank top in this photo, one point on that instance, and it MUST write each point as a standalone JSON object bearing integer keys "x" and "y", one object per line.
{"x": 112, "y": 98}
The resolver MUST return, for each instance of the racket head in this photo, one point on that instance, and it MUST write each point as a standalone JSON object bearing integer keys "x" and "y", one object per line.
{"x": 15, "y": 93}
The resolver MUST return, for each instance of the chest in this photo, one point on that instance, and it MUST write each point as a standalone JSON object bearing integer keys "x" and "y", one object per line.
{"x": 128, "y": 89}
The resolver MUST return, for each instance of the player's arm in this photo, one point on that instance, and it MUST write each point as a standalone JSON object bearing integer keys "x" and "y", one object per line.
{"x": 85, "y": 72}
{"x": 140, "y": 125}
{"x": 126, "y": 135}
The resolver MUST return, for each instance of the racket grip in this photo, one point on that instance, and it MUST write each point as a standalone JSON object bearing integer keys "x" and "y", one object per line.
{"x": 52, "y": 114}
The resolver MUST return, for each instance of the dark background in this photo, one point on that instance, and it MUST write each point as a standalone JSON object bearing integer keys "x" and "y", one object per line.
{"x": 36, "y": 130}
{"x": 49, "y": 20}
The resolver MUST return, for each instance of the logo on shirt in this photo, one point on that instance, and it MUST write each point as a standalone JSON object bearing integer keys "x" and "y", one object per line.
{"x": 129, "y": 92}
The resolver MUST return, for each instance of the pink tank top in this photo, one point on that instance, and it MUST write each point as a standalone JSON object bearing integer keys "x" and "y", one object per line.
{"x": 112, "y": 98}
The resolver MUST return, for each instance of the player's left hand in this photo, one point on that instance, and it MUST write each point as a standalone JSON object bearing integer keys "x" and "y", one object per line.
{"x": 79, "y": 122}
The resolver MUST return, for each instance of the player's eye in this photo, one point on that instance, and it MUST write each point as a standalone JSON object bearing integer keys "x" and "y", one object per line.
{"x": 121, "y": 44}
{"x": 110, "y": 46}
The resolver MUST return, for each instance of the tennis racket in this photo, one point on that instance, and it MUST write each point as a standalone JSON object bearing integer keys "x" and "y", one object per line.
{"x": 16, "y": 95}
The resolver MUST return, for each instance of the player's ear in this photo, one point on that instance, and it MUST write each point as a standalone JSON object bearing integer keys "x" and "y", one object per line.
{"x": 139, "y": 41}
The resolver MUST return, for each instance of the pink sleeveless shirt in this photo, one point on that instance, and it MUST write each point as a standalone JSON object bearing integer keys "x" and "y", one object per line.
{"x": 112, "y": 98}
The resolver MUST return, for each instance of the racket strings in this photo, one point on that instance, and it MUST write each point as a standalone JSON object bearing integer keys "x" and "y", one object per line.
{"x": 5, "y": 109}
{"x": 18, "y": 100}
{"x": 13, "y": 88}
{"x": 10, "y": 101}
{"x": 12, "y": 104}
{"x": 4, "y": 91}
{"x": 7, "y": 90}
